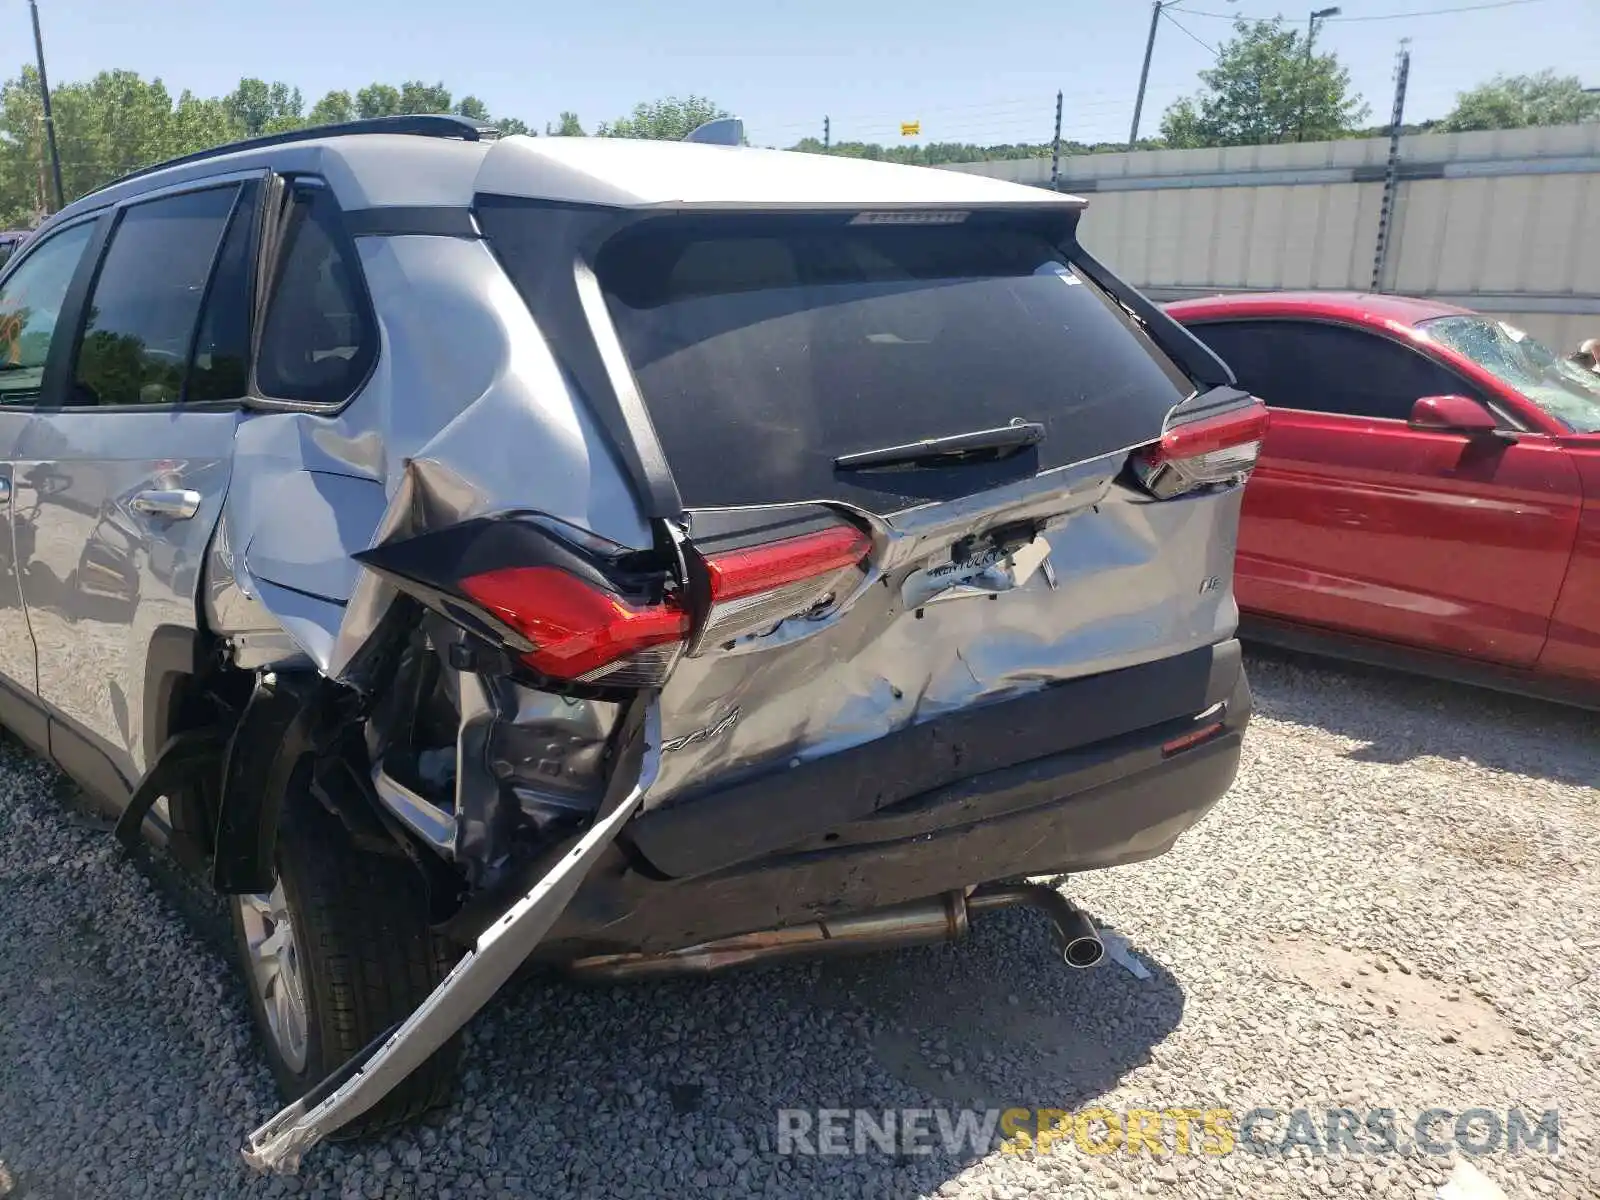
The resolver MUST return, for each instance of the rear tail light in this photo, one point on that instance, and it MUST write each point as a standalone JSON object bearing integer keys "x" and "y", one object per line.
{"x": 575, "y": 610}
{"x": 757, "y": 587}
{"x": 580, "y": 632}
{"x": 1211, "y": 450}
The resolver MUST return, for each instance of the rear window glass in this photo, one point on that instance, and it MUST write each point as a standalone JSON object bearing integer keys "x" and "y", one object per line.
{"x": 766, "y": 348}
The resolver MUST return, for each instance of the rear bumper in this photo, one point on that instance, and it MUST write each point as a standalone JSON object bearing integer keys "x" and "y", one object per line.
{"x": 1101, "y": 803}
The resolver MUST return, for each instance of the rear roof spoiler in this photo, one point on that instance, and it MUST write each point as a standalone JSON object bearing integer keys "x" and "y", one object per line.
{"x": 1196, "y": 359}
{"x": 724, "y": 131}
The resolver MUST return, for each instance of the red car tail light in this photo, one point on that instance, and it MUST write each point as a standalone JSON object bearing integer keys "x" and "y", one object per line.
{"x": 575, "y": 609}
{"x": 580, "y": 632}
{"x": 1200, "y": 453}
{"x": 758, "y": 586}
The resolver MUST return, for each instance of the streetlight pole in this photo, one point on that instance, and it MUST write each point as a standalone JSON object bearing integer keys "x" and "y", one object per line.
{"x": 1305, "y": 75}
{"x": 44, "y": 96}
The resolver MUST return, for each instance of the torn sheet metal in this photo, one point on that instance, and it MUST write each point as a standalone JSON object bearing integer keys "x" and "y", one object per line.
{"x": 500, "y": 950}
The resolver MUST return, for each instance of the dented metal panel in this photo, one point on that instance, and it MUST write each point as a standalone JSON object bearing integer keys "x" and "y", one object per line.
{"x": 1113, "y": 580}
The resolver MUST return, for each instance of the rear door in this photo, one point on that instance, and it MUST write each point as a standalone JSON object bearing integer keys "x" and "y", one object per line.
{"x": 1355, "y": 521}
{"x": 123, "y": 476}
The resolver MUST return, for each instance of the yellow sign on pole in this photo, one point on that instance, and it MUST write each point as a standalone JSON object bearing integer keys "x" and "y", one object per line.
{"x": 910, "y": 128}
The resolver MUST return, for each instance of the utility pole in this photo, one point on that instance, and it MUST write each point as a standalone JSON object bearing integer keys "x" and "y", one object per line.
{"x": 44, "y": 96}
{"x": 1055, "y": 150}
{"x": 1156, "y": 8}
{"x": 1391, "y": 174}
{"x": 1144, "y": 72}
{"x": 1305, "y": 76}
{"x": 827, "y": 135}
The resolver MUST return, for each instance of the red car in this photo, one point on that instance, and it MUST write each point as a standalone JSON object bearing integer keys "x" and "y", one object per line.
{"x": 1428, "y": 494}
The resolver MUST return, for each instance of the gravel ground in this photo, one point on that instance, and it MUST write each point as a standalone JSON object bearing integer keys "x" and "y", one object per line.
{"x": 1397, "y": 907}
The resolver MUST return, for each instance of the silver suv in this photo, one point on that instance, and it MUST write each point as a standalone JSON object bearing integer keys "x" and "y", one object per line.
{"x": 633, "y": 557}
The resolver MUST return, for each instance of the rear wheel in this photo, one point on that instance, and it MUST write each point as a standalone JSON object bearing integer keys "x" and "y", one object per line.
{"x": 337, "y": 953}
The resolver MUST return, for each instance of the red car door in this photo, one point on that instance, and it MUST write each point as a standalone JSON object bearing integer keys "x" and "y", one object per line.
{"x": 1357, "y": 522}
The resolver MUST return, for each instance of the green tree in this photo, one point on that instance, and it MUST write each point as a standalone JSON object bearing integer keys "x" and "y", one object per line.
{"x": 258, "y": 107}
{"x": 25, "y": 193}
{"x": 1516, "y": 101}
{"x": 113, "y": 124}
{"x": 473, "y": 108}
{"x": 568, "y": 126}
{"x": 1266, "y": 88}
{"x": 333, "y": 109}
{"x": 419, "y": 97}
{"x": 669, "y": 120}
{"x": 377, "y": 100}
{"x": 198, "y": 124}
{"x": 512, "y": 125}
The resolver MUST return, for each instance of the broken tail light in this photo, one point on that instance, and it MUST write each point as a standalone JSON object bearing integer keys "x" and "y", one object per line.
{"x": 1218, "y": 448}
{"x": 757, "y": 586}
{"x": 576, "y": 610}
{"x": 581, "y": 632}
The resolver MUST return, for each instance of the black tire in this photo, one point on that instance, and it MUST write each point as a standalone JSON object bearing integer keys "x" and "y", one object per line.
{"x": 366, "y": 959}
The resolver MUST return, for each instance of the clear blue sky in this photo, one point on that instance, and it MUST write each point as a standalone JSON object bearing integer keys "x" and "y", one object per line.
{"x": 984, "y": 72}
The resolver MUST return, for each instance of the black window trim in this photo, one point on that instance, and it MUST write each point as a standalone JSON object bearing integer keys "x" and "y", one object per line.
{"x": 63, "y": 355}
{"x": 1509, "y": 420}
{"x": 280, "y": 200}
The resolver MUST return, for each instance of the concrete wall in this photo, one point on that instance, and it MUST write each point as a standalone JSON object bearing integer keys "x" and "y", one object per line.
{"x": 1507, "y": 222}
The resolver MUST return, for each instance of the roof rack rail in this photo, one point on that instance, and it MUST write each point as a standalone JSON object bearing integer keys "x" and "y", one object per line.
{"x": 438, "y": 125}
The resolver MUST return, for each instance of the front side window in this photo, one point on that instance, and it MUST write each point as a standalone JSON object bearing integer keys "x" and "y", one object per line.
{"x": 1328, "y": 368}
{"x": 146, "y": 300}
{"x": 318, "y": 342}
{"x": 30, "y": 303}
{"x": 1563, "y": 389}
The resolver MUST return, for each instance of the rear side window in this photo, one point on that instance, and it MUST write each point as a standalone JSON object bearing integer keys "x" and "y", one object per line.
{"x": 318, "y": 342}
{"x": 1328, "y": 368}
{"x": 146, "y": 300}
{"x": 765, "y": 348}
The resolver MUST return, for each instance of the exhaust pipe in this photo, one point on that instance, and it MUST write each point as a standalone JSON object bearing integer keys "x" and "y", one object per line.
{"x": 944, "y": 918}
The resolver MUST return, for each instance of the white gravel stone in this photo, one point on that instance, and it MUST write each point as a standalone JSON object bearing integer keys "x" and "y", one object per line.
{"x": 1432, "y": 847}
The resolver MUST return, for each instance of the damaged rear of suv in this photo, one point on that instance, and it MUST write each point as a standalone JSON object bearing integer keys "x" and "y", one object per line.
{"x": 641, "y": 557}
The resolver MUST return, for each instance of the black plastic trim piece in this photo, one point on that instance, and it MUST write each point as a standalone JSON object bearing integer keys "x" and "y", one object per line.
{"x": 403, "y": 221}
{"x": 441, "y": 125}
{"x": 1197, "y": 360}
{"x": 272, "y": 736}
{"x": 63, "y": 350}
{"x": 981, "y": 445}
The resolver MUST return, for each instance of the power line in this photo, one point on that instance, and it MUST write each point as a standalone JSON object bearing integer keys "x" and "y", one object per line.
{"x": 1168, "y": 15}
{"x": 1405, "y": 16}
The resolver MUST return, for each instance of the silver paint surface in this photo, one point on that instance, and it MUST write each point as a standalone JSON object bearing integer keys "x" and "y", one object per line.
{"x": 1127, "y": 574}
{"x": 101, "y": 577}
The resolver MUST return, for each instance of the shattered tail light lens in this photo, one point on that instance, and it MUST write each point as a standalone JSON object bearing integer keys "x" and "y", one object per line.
{"x": 1221, "y": 449}
{"x": 580, "y": 632}
{"x": 576, "y": 609}
{"x": 756, "y": 587}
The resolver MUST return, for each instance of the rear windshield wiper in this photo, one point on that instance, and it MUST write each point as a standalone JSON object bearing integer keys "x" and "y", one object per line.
{"x": 981, "y": 445}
